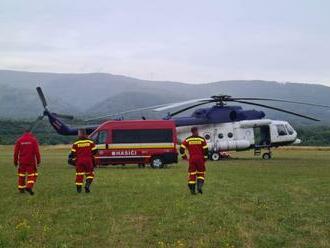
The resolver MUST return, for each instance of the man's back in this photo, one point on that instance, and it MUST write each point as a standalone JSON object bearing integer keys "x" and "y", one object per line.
{"x": 195, "y": 146}
{"x": 83, "y": 149}
{"x": 27, "y": 150}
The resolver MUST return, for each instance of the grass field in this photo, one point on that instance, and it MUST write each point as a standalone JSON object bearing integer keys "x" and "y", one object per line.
{"x": 248, "y": 202}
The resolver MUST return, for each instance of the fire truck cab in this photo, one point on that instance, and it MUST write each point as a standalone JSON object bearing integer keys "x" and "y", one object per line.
{"x": 136, "y": 142}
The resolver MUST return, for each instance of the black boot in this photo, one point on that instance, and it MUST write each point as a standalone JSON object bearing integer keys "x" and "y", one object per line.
{"x": 200, "y": 183}
{"x": 79, "y": 188}
{"x": 22, "y": 191}
{"x": 192, "y": 188}
{"x": 30, "y": 191}
{"x": 87, "y": 185}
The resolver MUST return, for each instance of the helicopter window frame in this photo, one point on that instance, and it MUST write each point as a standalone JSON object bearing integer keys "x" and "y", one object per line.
{"x": 230, "y": 135}
{"x": 281, "y": 130}
{"x": 220, "y": 136}
{"x": 289, "y": 129}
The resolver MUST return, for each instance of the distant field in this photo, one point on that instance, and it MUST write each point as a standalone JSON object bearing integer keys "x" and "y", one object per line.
{"x": 248, "y": 202}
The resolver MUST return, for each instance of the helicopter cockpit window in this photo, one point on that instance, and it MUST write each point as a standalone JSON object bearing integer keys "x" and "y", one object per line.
{"x": 220, "y": 135}
{"x": 290, "y": 129}
{"x": 230, "y": 135}
{"x": 281, "y": 130}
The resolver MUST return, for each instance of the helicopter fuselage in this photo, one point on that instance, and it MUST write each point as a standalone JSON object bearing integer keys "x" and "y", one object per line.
{"x": 244, "y": 135}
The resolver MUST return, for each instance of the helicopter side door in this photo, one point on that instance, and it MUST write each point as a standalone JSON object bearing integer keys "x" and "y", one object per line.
{"x": 262, "y": 136}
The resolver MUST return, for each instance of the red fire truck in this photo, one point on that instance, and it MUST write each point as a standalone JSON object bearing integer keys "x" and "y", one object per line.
{"x": 136, "y": 142}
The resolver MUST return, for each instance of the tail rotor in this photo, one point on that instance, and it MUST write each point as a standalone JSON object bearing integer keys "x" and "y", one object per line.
{"x": 46, "y": 111}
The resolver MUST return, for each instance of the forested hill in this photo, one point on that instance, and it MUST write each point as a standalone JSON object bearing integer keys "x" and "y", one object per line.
{"x": 95, "y": 94}
{"x": 11, "y": 130}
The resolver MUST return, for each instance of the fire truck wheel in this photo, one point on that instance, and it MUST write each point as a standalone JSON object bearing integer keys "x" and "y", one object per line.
{"x": 215, "y": 156}
{"x": 157, "y": 163}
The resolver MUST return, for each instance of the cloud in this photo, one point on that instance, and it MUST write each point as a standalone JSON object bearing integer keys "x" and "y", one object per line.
{"x": 189, "y": 41}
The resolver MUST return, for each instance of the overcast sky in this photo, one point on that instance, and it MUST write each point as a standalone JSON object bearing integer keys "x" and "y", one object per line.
{"x": 179, "y": 40}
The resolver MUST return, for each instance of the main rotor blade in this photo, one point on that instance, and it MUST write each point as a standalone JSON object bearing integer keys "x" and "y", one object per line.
{"x": 277, "y": 109}
{"x": 125, "y": 112}
{"x": 178, "y": 104}
{"x": 279, "y": 100}
{"x": 190, "y": 107}
{"x": 42, "y": 97}
{"x": 36, "y": 122}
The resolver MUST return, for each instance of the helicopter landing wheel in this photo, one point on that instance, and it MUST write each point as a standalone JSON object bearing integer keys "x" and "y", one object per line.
{"x": 267, "y": 155}
{"x": 215, "y": 156}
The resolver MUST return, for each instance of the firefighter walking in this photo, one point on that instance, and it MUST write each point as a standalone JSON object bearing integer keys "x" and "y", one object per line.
{"x": 27, "y": 158}
{"x": 82, "y": 153}
{"x": 198, "y": 154}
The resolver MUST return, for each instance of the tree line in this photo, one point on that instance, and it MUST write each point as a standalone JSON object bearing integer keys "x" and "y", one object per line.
{"x": 10, "y": 130}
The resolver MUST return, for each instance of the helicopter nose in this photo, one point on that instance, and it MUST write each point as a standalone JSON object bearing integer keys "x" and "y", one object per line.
{"x": 297, "y": 142}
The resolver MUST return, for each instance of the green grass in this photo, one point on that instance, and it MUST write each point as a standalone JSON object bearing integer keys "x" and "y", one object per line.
{"x": 248, "y": 202}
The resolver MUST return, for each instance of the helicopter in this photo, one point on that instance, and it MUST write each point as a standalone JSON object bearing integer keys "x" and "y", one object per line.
{"x": 225, "y": 127}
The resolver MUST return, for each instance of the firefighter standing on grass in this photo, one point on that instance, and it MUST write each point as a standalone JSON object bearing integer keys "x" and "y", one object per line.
{"x": 82, "y": 153}
{"x": 198, "y": 153}
{"x": 27, "y": 158}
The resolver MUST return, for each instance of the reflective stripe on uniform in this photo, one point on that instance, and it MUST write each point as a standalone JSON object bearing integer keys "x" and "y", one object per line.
{"x": 195, "y": 139}
{"x": 89, "y": 177}
{"x": 80, "y": 173}
{"x": 206, "y": 146}
{"x": 21, "y": 175}
{"x": 21, "y": 187}
{"x": 73, "y": 150}
{"x": 31, "y": 181}
{"x": 83, "y": 141}
{"x": 94, "y": 148}
{"x": 79, "y": 183}
{"x": 193, "y": 173}
{"x": 201, "y": 178}
{"x": 191, "y": 182}
{"x": 183, "y": 146}
{"x": 195, "y": 142}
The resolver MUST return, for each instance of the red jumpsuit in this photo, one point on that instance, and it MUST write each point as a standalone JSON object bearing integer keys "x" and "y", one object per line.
{"x": 83, "y": 152}
{"x": 27, "y": 156}
{"x": 198, "y": 153}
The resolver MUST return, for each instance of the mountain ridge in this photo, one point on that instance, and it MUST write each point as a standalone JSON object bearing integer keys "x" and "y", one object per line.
{"x": 102, "y": 93}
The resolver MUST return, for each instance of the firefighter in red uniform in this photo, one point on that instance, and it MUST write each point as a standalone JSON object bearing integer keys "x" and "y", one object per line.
{"x": 82, "y": 153}
{"x": 198, "y": 154}
{"x": 27, "y": 158}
